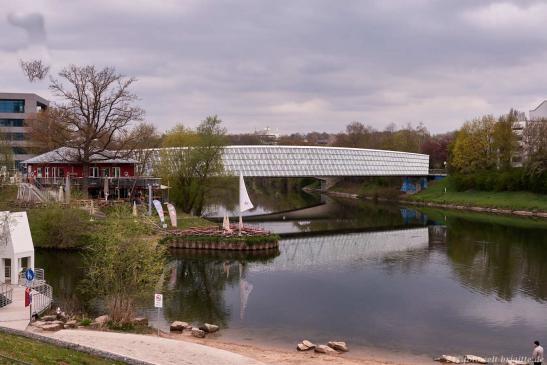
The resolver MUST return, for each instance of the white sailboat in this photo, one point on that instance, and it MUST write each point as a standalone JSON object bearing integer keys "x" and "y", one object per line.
{"x": 244, "y": 201}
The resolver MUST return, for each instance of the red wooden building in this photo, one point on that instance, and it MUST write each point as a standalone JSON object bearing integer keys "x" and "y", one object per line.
{"x": 54, "y": 167}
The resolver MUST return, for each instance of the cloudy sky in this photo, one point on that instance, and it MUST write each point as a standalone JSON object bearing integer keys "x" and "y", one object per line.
{"x": 293, "y": 65}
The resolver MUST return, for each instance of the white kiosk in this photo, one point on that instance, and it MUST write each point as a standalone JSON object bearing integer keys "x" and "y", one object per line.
{"x": 16, "y": 247}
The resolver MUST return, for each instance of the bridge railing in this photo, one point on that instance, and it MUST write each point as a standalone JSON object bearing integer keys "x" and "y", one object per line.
{"x": 438, "y": 172}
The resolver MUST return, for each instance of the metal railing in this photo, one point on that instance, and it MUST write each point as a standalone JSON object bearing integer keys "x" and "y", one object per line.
{"x": 121, "y": 182}
{"x": 42, "y": 293}
{"x": 6, "y": 293}
{"x": 42, "y": 298}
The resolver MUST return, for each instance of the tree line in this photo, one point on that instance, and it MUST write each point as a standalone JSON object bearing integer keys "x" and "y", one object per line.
{"x": 500, "y": 154}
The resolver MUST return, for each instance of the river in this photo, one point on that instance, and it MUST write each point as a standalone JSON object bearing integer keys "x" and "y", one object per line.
{"x": 424, "y": 281}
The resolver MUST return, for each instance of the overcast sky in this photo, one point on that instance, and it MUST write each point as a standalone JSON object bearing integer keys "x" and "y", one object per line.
{"x": 293, "y": 65}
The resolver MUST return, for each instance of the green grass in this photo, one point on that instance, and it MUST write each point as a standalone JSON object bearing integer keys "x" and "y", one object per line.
{"x": 515, "y": 200}
{"x": 36, "y": 352}
{"x": 186, "y": 221}
{"x": 439, "y": 214}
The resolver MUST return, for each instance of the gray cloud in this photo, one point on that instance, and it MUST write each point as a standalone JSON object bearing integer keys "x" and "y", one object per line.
{"x": 309, "y": 64}
{"x": 32, "y": 23}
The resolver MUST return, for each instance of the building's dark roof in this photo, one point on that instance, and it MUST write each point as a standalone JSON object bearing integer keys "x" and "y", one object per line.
{"x": 69, "y": 155}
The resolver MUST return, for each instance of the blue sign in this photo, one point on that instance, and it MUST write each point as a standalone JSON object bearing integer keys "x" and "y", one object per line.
{"x": 29, "y": 274}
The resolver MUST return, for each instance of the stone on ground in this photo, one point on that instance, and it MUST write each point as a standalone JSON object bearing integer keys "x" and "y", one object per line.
{"x": 475, "y": 359}
{"x": 143, "y": 321}
{"x": 49, "y": 318}
{"x": 52, "y": 327}
{"x": 209, "y": 328}
{"x": 448, "y": 359}
{"x": 305, "y": 346}
{"x": 178, "y": 326}
{"x": 196, "y": 332}
{"x": 338, "y": 346}
{"x": 102, "y": 320}
{"x": 324, "y": 349}
{"x": 71, "y": 324}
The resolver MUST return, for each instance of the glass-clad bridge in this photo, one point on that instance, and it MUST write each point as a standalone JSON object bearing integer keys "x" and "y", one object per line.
{"x": 310, "y": 161}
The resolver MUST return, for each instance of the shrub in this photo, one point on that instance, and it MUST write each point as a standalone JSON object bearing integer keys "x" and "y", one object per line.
{"x": 56, "y": 227}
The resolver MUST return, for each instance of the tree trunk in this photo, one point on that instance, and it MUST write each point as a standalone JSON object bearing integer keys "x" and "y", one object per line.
{"x": 85, "y": 181}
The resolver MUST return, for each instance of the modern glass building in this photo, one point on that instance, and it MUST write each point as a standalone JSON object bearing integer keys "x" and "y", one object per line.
{"x": 308, "y": 161}
{"x": 15, "y": 109}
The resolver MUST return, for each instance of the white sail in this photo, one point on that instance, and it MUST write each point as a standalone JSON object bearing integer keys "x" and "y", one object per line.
{"x": 244, "y": 200}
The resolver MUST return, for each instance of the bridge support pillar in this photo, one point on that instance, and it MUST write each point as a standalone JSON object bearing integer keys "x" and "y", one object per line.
{"x": 328, "y": 182}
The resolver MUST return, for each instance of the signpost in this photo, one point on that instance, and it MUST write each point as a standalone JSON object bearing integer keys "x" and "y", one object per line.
{"x": 158, "y": 303}
{"x": 29, "y": 275}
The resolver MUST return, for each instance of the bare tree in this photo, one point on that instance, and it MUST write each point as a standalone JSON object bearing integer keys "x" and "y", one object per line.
{"x": 95, "y": 115}
{"x": 34, "y": 69}
{"x": 144, "y": 138}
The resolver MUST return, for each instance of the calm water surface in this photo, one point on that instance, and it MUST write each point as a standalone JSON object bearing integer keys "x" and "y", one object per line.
{"x": 390, "y": 277}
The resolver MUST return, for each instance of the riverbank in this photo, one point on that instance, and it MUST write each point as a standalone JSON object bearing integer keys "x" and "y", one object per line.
{"x": 184, "y": 349}
{"x": 513, "y": 203}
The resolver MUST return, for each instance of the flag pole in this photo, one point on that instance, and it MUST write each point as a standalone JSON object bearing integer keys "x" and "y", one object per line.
{"x": 240, "y": 217}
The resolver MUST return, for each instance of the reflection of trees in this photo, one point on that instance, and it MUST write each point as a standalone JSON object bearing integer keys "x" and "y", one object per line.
{"x": 63, "y": 271}
{"x": 357, "y": 214}
{"x": 493, "y": 258}
{"x": 200, "y": 282}
{"x": 272, "y": 194}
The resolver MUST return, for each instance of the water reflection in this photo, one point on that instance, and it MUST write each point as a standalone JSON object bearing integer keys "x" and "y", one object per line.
{"x": 426, "y": 281}
{"x": 198, "y": 280}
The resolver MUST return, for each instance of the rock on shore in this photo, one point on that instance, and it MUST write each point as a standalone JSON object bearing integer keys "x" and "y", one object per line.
{"x": 178, "y": 326}
{"x": 338, "y": 346}
{"x": 305, "y": 346}
{"x": 324, "y": 349}
{"x": 196, "y": 332}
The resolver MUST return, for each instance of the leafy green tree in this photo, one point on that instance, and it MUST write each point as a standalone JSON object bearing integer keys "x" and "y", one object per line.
{"x": 121, "y": 266}
{"x": 473, "y": 149}
{"x": 504, "y": 139}
{"x": 192, "y": 162}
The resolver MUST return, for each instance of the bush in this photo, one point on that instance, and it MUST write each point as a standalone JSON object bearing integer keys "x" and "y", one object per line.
{"x": 56, "y": 227}
{"x": 516, "y": 179}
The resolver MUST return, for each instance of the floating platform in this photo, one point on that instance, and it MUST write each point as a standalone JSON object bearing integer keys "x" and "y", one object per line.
{"x": 216, "y": 238}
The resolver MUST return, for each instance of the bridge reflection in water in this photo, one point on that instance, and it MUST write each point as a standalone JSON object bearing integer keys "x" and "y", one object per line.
{"x": 343, "y": 250}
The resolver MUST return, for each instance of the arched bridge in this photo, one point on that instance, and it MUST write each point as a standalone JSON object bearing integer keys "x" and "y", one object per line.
{"x": 310, "y": 161}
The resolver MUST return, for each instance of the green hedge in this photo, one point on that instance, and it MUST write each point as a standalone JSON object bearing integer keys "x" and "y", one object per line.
{"x": 516, "y": 179}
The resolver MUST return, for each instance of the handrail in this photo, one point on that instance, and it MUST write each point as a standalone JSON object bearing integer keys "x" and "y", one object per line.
{"x": 42, "y": 297}
{"x": 6, "y": 295}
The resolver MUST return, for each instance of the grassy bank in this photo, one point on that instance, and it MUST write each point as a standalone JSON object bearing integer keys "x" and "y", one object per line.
{"x": 517, "y": 200}
{"x": 59, "y": 227}
{"x": 35, "y": 352}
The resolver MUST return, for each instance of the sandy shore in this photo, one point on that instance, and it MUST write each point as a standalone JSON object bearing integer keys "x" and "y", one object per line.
{"x": 284, "y": 356}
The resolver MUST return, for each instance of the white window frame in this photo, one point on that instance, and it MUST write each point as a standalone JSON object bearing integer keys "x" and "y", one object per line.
{"x": 93, "y": 171}
{"x": 116, "y": 172}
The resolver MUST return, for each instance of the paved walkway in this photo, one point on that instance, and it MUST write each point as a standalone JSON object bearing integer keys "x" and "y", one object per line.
{"x": 155, "y": 350}
{"x": 15, "y": 315}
